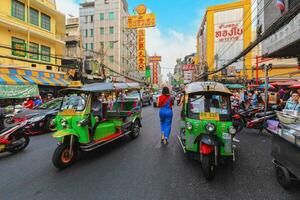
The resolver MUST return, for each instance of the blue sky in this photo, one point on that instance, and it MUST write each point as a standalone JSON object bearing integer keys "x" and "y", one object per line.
{"x": 177, "y": 24}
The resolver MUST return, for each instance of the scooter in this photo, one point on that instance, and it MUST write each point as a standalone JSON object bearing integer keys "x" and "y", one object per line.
{"x": 14, "y": 139}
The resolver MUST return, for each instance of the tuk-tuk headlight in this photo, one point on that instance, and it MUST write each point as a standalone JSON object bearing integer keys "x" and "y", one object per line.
{"x": 63, "y": 122}
{"x": 232, "y": 130}
{"x": 82, "y": 122}
{"x": 189, "y": 126}
{"x": 210, "y": 127}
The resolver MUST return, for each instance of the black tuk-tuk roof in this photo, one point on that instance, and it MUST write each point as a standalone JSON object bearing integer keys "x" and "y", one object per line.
{"x": 207, "y": 86}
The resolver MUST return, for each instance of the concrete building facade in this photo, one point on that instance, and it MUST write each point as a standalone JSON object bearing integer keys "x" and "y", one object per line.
{"x": 103, "y": 25}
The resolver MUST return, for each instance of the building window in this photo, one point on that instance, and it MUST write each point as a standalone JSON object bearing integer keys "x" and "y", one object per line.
{"x": 111, "y": 44}
{"x": 86, "y": 33}
{"x": 111, "y": 15}
{"x": 111, "y": 59}
{"x": 92, "y": 32}
{"x": 92, "y": 18}
{"x": 101, "y": 44}
{"x": 86, "y": 46}
{"x": 101, "y": 16}
{"x": 46, "y": 22}
{"x": 49, "y": 67}
{"x": 34, "y": 51}
{"x": 18, "y": 9}
{"x": 86, "y": 19}
{"x": 34, "y": 17}
{"x": 111, "y": 30}
{"x": 101, "y": 30}
{"x": 92, "y": 46}
{"x": 18, "y": 47}
{"x": 45, "y": 51}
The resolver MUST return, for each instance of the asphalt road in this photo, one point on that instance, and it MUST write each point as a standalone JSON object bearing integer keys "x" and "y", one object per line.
{"x": 140, "y": 169}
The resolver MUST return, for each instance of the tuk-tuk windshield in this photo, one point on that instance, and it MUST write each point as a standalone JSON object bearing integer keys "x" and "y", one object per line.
{"x": 76, "y": 102}
{"x": 208, "y": 103}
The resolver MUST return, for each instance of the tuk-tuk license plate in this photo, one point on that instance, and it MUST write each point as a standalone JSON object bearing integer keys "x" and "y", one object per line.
{"x": 209, "y": 116}
{"x": 2, "y": 147}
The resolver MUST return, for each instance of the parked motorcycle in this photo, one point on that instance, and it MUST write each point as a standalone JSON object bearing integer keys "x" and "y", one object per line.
{"x": 13, "y": 139}
{"x": 242, "y": 117}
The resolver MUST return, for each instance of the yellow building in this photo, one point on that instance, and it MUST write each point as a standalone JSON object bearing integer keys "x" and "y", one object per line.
{"x": 225, "y": 31}
{"x": 31, "y": 33}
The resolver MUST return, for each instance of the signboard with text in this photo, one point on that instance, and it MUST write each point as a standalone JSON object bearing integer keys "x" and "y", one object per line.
{"x": 155, "y": 73}
{"x": 188, "y": 67}
{"x": 141, "y": 21}
{"x": 141, "y": 50}
{"x": 155, "y": 58}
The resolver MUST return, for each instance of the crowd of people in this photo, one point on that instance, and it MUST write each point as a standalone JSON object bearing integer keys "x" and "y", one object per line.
{"x": 286, "y": 98}
{"x": 33, "y": 102}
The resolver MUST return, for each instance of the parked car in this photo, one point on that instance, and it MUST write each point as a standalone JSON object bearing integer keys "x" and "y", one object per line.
{"x": 144, "y": 97}
{"x": 41, "y": 118}
{"x": 155, "y": 98}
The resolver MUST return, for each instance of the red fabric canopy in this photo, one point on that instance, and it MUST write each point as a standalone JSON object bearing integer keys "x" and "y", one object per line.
{"x": 285, "y": 83}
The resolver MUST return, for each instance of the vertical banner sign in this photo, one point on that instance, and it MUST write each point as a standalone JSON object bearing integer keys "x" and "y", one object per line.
{"x": 141, "y": 50}
{"x": 155, "y": 73}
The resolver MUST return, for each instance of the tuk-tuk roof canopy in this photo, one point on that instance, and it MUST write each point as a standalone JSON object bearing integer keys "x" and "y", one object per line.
{"x": 101, "y": 87}
{"x": 206, "y": 87}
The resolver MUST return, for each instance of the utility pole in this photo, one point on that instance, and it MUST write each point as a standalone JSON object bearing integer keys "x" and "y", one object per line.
{"x": 267, "y": 68}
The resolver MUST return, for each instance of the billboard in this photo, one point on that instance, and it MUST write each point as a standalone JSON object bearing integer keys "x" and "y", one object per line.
{"x": 141, "y": 21}
{"x": 155, "y": 58}
{"x": 228, "y": 37}
{"x": 188, "y": 67}
{"x": 141, "y": 50}
{"x": 155, "y": 73}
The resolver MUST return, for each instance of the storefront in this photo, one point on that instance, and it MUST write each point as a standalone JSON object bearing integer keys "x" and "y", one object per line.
{"x": 45, "y": 81}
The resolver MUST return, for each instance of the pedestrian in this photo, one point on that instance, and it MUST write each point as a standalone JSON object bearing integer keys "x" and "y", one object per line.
{"x": 38, "y": 101}
{"x": 165, "y": 102}
{"x": 29, "y": 103}
{"x": 293, "y": 102}
{"x": 285, "y": 97}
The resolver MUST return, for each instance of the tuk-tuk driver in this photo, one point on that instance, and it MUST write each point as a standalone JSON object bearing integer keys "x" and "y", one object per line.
{"x": 97, "y": 107}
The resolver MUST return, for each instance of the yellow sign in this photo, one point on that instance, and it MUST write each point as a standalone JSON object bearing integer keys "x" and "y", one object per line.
{"x": 155, "y": 58}
{"x": 209, "y": 116}
{"x": 141, "y": 21}
{"x": 141, "y": 9}
{"x": 141, "y": 50}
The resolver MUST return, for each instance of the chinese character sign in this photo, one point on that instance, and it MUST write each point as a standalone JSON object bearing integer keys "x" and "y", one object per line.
{"x": 141, "y": 21}
{"x": 141, "y": 50}
{"x": 155, "y": 73}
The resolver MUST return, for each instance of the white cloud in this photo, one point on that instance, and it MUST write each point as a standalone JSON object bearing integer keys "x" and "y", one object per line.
{"x": 68, "y": 7}
{"x": 170, "y": 47}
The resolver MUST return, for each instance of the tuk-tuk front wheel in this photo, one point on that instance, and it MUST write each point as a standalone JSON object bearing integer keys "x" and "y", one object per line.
{"x": 63, "y": 156}
{"x": 208, "y": 166}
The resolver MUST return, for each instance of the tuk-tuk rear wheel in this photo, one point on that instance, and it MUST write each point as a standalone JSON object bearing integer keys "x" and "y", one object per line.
{"x": 62, "y": 157}
{"x": 208, "y": 166}
{"x": 135, "y": 129}
{"x": 283, "y": 177}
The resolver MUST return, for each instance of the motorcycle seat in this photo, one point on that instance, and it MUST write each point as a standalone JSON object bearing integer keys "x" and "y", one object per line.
{"x": 262, "y": 114}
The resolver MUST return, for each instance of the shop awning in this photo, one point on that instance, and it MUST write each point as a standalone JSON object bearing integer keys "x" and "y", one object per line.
{"x": 18, "y": 91}
{"x": 12, "y": 79}
{"x": 47, "y": 81}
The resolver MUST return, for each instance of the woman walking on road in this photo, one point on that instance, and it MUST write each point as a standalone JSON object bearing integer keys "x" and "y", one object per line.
{"x": 165, "y": 102}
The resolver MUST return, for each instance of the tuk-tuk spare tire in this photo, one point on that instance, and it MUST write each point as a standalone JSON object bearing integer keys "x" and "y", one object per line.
{"x": 57, "y": 160}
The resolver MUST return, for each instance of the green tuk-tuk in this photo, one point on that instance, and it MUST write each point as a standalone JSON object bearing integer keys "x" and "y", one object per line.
{"x": 83, "y": 127}
{"x": 208, "y": 131}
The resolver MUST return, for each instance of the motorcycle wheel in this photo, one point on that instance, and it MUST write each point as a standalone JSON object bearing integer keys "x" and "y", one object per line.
{"x": 62, "y": 158}
{"x": 208, "y": 166}
{"x": 25, "y": 143}
{"x": 241, "y": 124}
